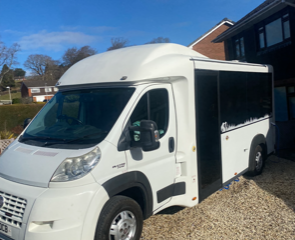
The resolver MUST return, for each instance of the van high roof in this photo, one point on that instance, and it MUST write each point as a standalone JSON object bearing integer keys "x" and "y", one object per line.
{"x": 134, "y": 64}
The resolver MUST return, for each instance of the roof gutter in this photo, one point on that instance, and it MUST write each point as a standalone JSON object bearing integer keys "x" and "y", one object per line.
{"x": 221, "y": 37}
{"x": 290, "y": 4}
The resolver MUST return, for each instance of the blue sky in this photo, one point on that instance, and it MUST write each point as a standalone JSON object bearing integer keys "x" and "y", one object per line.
{"x": 51, "y": 26}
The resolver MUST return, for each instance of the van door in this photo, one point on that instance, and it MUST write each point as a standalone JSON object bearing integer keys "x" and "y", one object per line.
{"x": 156, "y": 103}
{"x": 208, "y": 132}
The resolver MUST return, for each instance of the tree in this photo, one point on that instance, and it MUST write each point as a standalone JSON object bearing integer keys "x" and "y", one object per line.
{"x": 118, "y": 43}
{"x": 41, "y": 65}
{"x": 7, "y": 57}
{"x": 8, "y": 79}
{"x": 74, "y": 55}
{"x": 19, "y": 72}
{"x": 159, "y": 40}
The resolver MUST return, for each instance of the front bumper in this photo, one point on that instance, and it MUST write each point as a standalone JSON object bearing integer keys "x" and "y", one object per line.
{"x": 56, "y": 213}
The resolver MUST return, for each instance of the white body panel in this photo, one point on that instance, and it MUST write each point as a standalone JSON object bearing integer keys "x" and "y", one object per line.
{"x": 158, "y": 165}
{"x": 236, "y": 149}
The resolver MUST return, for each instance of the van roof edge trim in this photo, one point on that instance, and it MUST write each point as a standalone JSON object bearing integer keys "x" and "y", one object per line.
{"x": 228, "y": 62}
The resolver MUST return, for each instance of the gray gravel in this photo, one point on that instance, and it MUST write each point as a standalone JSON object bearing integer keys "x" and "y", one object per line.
{"x": 262, "y": 207}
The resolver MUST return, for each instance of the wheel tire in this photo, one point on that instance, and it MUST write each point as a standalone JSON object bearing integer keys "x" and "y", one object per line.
{"x": 256, "y": 161}
{"x": 119, "y": 212}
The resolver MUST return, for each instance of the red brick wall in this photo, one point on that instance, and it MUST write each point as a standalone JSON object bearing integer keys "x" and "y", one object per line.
{"x": 209, "y": 49}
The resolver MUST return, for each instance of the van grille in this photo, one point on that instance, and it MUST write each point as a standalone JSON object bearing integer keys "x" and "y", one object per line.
{"x": 13, "y": 209}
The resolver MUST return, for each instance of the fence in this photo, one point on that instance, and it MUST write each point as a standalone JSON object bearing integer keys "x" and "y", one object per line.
{"x": 4, "y": 102}
{"x": 5, "y": 143}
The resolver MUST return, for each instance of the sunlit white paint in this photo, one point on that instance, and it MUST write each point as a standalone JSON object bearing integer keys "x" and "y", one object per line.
{"x": 227, "y": 127}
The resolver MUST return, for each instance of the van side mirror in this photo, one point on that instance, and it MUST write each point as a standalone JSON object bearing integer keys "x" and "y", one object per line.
{"x": 145, "y": 136}
{"x": 26, "y": 122}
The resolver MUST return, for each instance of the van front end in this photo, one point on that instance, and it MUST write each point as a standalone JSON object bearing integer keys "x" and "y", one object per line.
{"x": 35, "y": 213}
{"x": 51, "y": 176}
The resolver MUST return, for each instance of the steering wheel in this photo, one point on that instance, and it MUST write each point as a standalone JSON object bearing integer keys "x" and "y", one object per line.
{"x": 72, "y": 118}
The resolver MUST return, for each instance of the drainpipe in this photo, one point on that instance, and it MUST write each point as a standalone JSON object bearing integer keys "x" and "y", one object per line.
{"x": 290, "y": 4}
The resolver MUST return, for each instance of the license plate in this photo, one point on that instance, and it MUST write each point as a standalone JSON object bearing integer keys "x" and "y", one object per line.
{"x": 4, "y": 228}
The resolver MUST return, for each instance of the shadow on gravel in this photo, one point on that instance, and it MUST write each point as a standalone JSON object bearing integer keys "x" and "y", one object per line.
{"x": 278, "y": 179}
{"x": 171, "y": 210}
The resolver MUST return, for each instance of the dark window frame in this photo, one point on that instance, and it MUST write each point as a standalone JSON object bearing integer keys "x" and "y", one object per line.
{"x": 260, "y": 28}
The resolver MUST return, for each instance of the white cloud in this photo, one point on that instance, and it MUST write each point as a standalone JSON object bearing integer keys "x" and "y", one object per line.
{"x": 95, "y": 29}
{"x": 100, "y": 29}
{"x": 13, "y": 32}
{"x": 55, "y": 40}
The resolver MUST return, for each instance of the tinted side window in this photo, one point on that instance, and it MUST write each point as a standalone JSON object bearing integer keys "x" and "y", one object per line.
{"x": 244, "y": 97}
{"x": 154, "y": 105}
{"x": 140, "y": 112}
{"x": 259, "y": 91}
{"x": 159, "y": 109}
{"x": 233, "y": 97}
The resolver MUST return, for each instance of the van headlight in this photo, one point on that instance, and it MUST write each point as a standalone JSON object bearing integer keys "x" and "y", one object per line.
{"x": 77, "y": 167}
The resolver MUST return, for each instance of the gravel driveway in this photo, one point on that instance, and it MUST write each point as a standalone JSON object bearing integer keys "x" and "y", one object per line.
{"x": 262, "y": 207}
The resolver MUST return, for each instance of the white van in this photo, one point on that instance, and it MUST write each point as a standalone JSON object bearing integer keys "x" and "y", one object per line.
{"x": 129, "y": 133}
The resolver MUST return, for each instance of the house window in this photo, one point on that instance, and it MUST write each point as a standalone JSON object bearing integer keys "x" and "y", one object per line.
{"x": 240, "y": 48}
{"x": 48, "y": 89}
{"x": 35, "y": 90}
{"x": 274, "y": 32}
{"x": 261, "y": 38}
{"x": 56, "y": 89}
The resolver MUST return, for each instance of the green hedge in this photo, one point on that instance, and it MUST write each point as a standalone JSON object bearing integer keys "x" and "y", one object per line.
{"x": 14, "y": 115}
{"x": 16, "y": 100}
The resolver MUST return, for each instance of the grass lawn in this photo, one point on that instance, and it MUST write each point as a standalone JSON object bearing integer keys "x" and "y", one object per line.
{"x": 13, "y": 95}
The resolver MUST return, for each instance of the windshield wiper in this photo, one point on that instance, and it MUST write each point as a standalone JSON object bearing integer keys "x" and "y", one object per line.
{"x": 86, "y": 136}
{"x": 23, "y": 139}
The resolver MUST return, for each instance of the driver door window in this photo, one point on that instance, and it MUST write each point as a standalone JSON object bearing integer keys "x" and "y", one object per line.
{"x": 154, "y": 105}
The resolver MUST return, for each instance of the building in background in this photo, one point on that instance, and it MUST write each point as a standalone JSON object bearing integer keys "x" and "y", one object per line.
{"x": 204, "y": 43}
{"x": 39, "y": 90}
{"x": 266, "y": 35}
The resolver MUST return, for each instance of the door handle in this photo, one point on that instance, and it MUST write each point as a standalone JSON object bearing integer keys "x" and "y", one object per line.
{"x": 171, "y": 144}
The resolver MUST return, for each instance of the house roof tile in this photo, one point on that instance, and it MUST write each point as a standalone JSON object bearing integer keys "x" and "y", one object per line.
{"x": 39, "y": 83}
{"x": 225, "y": 20}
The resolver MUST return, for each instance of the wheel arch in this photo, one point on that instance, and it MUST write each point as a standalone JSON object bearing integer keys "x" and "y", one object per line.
{"x": 134, "y": 185}
{"x": 259, "y": 139}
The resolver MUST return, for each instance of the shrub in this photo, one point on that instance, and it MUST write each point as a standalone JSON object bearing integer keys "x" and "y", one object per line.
{"x": 16, "y": 100}
{"x": 6, "y": 135}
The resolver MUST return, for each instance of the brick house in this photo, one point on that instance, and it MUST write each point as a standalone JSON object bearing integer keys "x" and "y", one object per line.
{"x": 204, "y": 43}
{"x": 39, "y": 90}
{"x": 266, "y": 35}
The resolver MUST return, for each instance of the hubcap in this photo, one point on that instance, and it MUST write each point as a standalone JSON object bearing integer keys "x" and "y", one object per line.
{"x": 123, "y": 226}
{"x": 258, "y": 159}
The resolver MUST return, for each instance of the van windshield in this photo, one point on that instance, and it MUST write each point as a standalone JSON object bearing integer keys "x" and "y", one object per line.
{"x": 80, "y": 117}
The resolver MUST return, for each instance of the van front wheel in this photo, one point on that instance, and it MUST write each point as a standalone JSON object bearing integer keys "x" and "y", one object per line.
{"x": 121, "y": 218}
